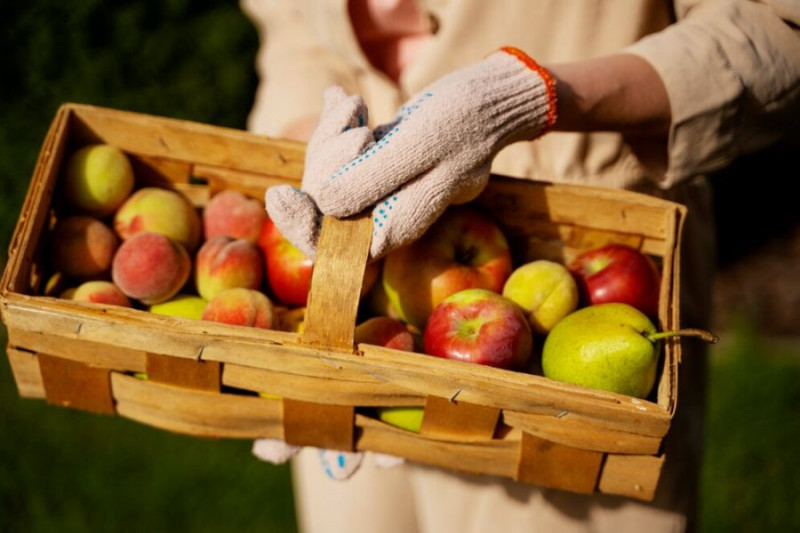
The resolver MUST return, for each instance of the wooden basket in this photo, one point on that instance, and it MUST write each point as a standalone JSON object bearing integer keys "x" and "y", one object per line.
{"x": 204, "y": 377}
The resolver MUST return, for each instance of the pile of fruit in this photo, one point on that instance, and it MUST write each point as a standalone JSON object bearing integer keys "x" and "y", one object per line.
{"x": 454, "y": 293}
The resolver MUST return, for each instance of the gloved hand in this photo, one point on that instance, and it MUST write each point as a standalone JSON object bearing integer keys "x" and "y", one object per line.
{"x": 437, "y": 152}
{"x": 337, "y": 465}
{"x": 342, "y": 134}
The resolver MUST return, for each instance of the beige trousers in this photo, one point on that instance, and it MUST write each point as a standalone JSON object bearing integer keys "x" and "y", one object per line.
{"x": 414, "y": 498}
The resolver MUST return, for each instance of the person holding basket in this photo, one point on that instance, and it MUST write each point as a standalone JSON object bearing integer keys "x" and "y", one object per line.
{"x": 414, "y": 103}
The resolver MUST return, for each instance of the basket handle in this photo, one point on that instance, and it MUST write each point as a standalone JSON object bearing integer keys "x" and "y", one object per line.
{"x": 342, "y": 253}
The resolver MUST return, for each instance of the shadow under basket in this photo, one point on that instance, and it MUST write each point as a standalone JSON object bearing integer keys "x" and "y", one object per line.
{"x": 204, "y": 378}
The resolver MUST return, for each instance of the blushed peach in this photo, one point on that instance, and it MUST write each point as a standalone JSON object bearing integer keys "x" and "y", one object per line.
{"x": 162, "y": 211}
{"x": 100, "y": 292}
{"x": 241, "y": 307}
{"x": 151, "y": 267}
{"x": 226, "y": 263}
{"x": 233, "y": 214}
{"x": 98, "y": 178}
{"x": 82, "y": 247}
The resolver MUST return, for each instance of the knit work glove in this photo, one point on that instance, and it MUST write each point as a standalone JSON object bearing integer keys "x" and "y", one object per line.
{"x": 437, "y": 152}
{"x": 342, "y": 134}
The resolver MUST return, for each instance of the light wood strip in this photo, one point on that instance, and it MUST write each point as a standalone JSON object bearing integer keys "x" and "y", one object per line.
{"x": 249, "y": 183}
{"x": 196, "y": 412}
{"x": 336, "y": 283}
{"x": 516, "y": 201}
{"x": 368, "y": 393}
{"x": 635, "y": 476}
{"x": 581, "y": 433}
{"x": 258, "y": 348}
{"x": 495, "y": 457}
{"x": 108, "y": 356}
{"x": 25, "y": 367}
{"x": 187, "y": 141}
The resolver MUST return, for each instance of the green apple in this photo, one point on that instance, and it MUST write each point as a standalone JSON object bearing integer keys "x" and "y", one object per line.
{"x": 182, "y": 305}
{"x": 546, "y": 292}
{"x": 612, "y": 347}
{"x": 408, "y": 418}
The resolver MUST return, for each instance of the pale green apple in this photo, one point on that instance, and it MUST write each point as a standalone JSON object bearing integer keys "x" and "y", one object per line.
{"x": 546, "y": 292}
{"x": 182, "y": 305}
{"x": 408, "y": 418}
{"x": 98, "y": 178}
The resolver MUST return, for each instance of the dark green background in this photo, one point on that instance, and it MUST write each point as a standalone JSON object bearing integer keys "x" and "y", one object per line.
{"x": 68, "y": 471}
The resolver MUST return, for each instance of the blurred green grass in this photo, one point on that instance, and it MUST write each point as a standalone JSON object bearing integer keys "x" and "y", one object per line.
{"x": 64, "y": 470}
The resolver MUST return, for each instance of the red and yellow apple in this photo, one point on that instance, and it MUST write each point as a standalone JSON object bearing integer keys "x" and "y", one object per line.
{"x": 617, "y": 273}
{"x": 288, "y": 270}
{"x": 479, "y": 326}
{"x": 385, "y": 331}
{"x": 545, "y": 290}
{"x": 463, "y": 249}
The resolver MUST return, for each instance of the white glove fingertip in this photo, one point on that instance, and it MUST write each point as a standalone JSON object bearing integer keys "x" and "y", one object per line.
{"x": 383, "y": 460}
{"x": 339, "y": 465}
{"x": 274, "y": 451}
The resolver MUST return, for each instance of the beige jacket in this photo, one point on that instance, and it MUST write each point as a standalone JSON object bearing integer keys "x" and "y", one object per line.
{"x": 731, "y": 68}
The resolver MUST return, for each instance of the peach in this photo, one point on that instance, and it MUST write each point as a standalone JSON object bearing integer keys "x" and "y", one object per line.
{"x": 82, "y": 247}
{"x": 241, "y": 307}
{"x": 160, "y": 210}
{"x": 100, "y": 292}
{"x": 151, "y": 267}
{"x": 98, "y": 178}
{"x": 233, "y": 214}
{"x": 225, "y": 263}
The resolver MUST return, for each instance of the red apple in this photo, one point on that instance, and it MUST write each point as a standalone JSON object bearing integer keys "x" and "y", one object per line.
{"x": 463, "y": 249}
{"x": 479, "y": 326}
{"x": 618, "y": 273}
{"x": 385, "y": 331}
{"x": 288, "y": 269}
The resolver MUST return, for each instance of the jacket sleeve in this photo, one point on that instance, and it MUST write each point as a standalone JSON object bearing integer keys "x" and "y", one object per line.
{"x": 732, "y": 72}
{"x": 293, "y": 65}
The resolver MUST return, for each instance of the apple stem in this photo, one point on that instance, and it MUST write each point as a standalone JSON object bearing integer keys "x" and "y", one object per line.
{"x": 690, "y": 332}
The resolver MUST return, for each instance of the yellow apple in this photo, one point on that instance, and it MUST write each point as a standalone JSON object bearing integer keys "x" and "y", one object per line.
{"x": 546, "y": 292}
{"x": 182, "y": 305}
{"x": 98, "y": 178}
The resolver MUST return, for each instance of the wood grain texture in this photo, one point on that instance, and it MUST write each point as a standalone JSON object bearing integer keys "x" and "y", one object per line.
{"x": 76, "y": 385}
{"x": 28, "y": 377}
{"x": 457, "y": 420}
{"x": 195, "y": 412}
{"x": 336, "y": 282}
{"x": 635, "y": 476}
{"x": 557, "y": 466}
